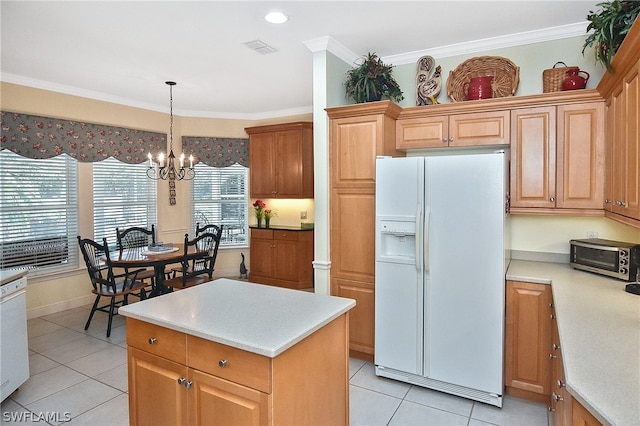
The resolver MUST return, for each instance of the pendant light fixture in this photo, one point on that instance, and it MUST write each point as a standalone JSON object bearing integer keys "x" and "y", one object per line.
{"x": 164, "y": 168}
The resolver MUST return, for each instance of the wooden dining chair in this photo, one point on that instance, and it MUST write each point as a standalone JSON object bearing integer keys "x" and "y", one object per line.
{"x": 105, "y": 283}
{"x": 137, "y": 237}
{"x": 208, "y": 228}
{"x": 196, "y": 268}
{"x": 215, "y": 229}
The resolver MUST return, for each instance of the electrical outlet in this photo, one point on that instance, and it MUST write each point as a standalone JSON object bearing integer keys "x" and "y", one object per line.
{"x": 592, "y": 234}
{"x": 303, "y": 214}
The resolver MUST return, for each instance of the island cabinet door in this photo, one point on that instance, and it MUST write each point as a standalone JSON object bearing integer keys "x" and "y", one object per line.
{"x": 218, "y": 402}
{"x": 157, "y": 395}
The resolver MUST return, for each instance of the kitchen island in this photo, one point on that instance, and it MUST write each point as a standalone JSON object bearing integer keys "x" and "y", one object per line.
{"x": 231, "y": 352}
{"x": 599, "y": 330}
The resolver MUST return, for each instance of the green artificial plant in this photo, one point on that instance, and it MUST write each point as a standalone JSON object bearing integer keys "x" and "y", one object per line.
{"x": 610, "y": 26}
{"x": 371, "y": 80}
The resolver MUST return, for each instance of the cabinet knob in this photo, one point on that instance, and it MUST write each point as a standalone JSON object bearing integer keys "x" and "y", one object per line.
{"x": 445, "y": 140}
{"x": 152, "y": 340}
{"x": 607, "y": 201}
{"x": 621, "y": 203}
{"x": 450, "y": 138}
{"x": 552, "y": 356}
{"x": 556, "y": 397}
{"x": 181, "y": 380}
{"x": 222, "y": 363}
{"x": 555, "y": 347}
{"x": 552, "y": 316}
{"x": 561, "y": 384}
{"x": 552, "y": 199}
{"x": 550, "y": 409}
{"x": 188, "y": 384}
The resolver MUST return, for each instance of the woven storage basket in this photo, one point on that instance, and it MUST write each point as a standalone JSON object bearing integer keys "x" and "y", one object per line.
{"x": 553, "y": 77}
{"x": 506, "y": 76}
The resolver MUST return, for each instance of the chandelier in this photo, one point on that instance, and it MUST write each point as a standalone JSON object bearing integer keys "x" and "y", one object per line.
{"x": 165, "y": 168}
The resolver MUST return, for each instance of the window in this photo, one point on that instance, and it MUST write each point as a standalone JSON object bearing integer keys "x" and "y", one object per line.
{"x": 39, "y": 212}
{"x": 123, "y": 196}
{"x": 219, "y": 196}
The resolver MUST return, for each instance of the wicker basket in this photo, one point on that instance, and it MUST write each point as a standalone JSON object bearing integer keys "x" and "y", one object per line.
{"x": 553, "y": 77}
{"x": 506, "y": 76}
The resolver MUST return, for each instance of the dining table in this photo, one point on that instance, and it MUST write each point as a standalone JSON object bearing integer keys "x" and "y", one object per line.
{"x": 144, "y": 257}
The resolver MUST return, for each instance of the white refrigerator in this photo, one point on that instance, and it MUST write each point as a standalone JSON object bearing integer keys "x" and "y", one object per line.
{"x": 441, "y": 259}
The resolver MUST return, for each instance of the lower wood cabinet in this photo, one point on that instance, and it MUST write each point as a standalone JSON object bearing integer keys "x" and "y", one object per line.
{"x": 180, "y": 379}
{"x": 528, "y": 340}
{"x": 534, "y": 368}
{"x": 282, "y": 258}
{"x": 560, "y": 405}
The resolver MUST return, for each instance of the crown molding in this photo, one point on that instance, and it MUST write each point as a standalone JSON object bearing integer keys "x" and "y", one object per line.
{"x": 483, "y": 45}
{"x": 330, "y": 44}
{"x": 103, "y": 97}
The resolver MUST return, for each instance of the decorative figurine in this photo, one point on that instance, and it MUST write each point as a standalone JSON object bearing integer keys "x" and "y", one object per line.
{"x": 429, "y": 82}
{"x": 243, "y": 268}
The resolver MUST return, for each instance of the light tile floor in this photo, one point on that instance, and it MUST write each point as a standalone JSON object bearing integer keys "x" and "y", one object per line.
{"x": 80, "y": 378}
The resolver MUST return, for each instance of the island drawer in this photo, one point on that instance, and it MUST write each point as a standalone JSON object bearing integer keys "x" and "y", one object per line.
{"x": 236, "y": 365}
{"x": 157, "y": 340}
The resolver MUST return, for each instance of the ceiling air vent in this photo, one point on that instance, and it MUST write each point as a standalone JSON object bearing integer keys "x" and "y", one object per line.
{"x": 260, "y": 47}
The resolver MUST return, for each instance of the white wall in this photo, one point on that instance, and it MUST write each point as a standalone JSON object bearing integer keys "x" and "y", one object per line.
{"x": 545, "y": 234}
{"x": 532, "y": 59}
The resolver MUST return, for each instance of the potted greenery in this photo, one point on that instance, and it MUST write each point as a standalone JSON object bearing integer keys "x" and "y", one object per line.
{"x": 371, "y": 80}
{"x": 610, "y": 26}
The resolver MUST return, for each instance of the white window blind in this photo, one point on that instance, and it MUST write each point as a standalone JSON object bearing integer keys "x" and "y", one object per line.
{"x": 123, "y": 196}
{"x": 219, "y": 197}
{"x": 39, "y": 212}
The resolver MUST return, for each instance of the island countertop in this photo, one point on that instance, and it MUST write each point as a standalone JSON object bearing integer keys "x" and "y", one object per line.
{"x": 262, "y": 319}
{"x": 599, "y": 330}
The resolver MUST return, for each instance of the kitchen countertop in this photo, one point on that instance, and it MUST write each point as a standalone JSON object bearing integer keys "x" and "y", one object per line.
{"x": 282, "y": 228}
{"x": 8, "y": 275}
{"x": 262, "y": 319}
{"x": 599, "y": 328}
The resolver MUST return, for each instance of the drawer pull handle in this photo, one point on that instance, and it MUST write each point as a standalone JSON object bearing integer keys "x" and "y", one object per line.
{"x": 222, "y": 363}
{"x": 188, "y": 384}
{"x": 152, "y": 340}
{"x": 181, "y": 380}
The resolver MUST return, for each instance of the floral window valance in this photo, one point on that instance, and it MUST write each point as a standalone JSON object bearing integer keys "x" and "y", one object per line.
{"x": 44, "y": 137}
{"x": 217, "y": 152}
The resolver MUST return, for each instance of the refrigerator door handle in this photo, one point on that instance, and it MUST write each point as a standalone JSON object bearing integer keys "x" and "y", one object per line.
{"x": 425, "y": 243}
{"x": 418, "y": 238}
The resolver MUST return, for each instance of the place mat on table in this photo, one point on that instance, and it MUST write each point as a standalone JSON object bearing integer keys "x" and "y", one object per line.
{"x": 153, "y": 252}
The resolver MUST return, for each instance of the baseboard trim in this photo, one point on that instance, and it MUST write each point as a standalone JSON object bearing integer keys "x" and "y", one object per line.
{"x": 60, "y": 306}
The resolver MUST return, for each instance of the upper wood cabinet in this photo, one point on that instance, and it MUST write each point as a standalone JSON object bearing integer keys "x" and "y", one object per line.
{"x": 623, "y": 149}
{"x": 472, "y": 129}
{"x": 557, "y": 159}
{"x": 621, "y": 90}
{"x": 281, "y": 160}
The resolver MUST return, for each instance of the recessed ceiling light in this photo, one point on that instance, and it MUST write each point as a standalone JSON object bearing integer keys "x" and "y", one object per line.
{"x": 276, "y": 17}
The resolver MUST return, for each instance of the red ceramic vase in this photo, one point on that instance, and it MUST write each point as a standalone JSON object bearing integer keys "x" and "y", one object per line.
{"x": 574, "y": 80}
{"x": 480, "y": 88}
